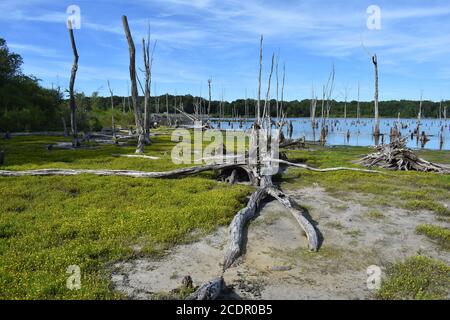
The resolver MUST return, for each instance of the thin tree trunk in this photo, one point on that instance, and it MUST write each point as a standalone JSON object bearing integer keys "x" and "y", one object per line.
{"x": 113, "y": 124}
{"x": 73, "y": 107}
{"x": 209, "y": 101}
{"x": 358, "y": 105}
{"x": 258, "y": 105}
{"x": 134, "y": 90}
{"x": 376, "y": 130}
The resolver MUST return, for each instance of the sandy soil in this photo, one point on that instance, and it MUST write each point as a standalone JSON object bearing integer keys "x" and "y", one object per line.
{"x": 277, "y": 264}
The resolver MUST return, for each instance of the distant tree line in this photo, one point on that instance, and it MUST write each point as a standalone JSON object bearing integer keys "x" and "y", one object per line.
{"x": 27, "y": 106}
{"x": 296, "y": 108}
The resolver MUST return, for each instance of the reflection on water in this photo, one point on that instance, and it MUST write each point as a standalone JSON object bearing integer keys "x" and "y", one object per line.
{"x": 353, "y": 133}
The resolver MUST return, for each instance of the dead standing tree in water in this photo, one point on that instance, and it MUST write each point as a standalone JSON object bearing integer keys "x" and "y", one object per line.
{"x": 73, "y": 74}
{"x": 376, "y": 128}
{"x": 134, "y": 90}
{"x": 209, "y": 99}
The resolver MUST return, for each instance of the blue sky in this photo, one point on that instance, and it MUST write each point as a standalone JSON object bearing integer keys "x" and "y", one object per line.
{"x": 199, "y": 39}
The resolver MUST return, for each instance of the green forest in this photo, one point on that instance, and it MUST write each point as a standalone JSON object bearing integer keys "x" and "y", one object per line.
{"x": 25, "y": 105}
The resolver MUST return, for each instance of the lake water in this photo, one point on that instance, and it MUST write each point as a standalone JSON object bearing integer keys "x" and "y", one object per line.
{"x": 361, "y": 132}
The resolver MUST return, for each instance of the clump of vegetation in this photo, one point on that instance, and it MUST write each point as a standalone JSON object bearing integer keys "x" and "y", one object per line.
{"x": 375, "y": 214}
{"x": 428, "y": 205}
{"x": 418, "y": 277}
{"x": 441, "y": 234}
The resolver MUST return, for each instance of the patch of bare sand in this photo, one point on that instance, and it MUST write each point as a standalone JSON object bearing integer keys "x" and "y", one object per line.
{"x": 277, "y": 264}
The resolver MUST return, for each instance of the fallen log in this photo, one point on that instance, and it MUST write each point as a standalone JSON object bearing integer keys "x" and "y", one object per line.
{"x": 237, "y": 225}
{"x": 127, "y": 173}
{"x": 135, "y": 156}
{"x": 304, "y": 166}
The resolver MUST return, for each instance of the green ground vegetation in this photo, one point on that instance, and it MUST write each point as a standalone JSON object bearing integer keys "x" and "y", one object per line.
{"x": 50, "y": 223}
{"x": 418, "y": 277}
{"x": 437, "y": 233}
{"x": 410, "y": 190}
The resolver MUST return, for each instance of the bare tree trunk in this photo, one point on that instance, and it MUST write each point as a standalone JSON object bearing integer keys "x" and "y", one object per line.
{"x": 113, "y": 124}
{"x": 419, "y": 116}
{"x": 73, "y": 107}
{"x": 148, "y": 61}
{"x": 376, "y": 129}
{"x": 209, "y": 101}
{"x": 134, "y": 90}
{"x": 258, "y": 105}
{"x": 282, "y": 90}
{"x": 357, "y": 106}
{"x": 167, "y": 109}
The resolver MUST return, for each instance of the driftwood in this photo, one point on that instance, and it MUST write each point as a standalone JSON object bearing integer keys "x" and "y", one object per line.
{"x": 209, "y": 290}
{"x": 304, "y": 166}
{"x": 135, "y": 156}
{"x": 126, "y": 173}
{"x": 396, "y": 156}
{"x": 298, "y": 213}
{"x": 240, "y": 220}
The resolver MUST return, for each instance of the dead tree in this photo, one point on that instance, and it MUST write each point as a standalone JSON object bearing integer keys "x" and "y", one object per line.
{"x": 209, "y": 100}
{"x": 73, "y": 74}
{"x": 376, "y": 129}
{"x": 345, "y": 101}
{"x": 113, "y": 124}
{"x": 312, "y": 111}
{"x": 419, "y": 116}
{"x": 358, "y": 112}
{"x": 148, "y": 62}
{"x": 134, "y": 90}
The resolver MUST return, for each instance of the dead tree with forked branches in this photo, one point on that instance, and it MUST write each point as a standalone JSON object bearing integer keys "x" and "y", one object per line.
{"x": 134, "y": 90}
{"x": 148, "y": 62}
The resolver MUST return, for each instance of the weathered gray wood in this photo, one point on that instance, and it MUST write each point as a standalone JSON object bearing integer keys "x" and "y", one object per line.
{"x": 297, "y": 212}
{"x": 127, "y": 173}
{"x": 113, "y": 124}
{"x": 240, "y": 220}
{"x": 136, "y": 156}
{"x": 134, "y": 90}
{"x": 73, "y": 74}
{"x": 376, "y": 129}
{"x": 304, "y": 166}
{"x": 209, "y": 290}
{"x": 396, "y": 156}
